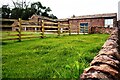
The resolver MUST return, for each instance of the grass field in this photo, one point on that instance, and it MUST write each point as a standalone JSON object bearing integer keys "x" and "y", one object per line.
{"x": 53, "y": 57}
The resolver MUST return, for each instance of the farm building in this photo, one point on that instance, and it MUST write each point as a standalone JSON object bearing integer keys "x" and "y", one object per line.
{"x": 88, "y": 21}
{"x": 35, "y": 20}
{"x": 6, "y": 24}
{"x": 108, "y": 20}
{"x": 83, "y": 24}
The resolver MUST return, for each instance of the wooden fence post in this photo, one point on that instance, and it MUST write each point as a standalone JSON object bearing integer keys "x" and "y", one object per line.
{"x": 69, "y": 28}
{"x": 42, "y": 29}
{"x": 20, "y": 29}
{"x": 58, "y": 28}
{"x": 78, "y": 30}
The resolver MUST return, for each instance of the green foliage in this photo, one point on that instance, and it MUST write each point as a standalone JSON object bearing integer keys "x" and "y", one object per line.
{"x": 52, "y": 57}
{"x": 24, "y": 10}
{"x": 5, "y": 11}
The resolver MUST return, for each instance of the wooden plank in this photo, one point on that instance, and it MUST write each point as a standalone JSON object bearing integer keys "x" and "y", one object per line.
{"x": 65, "y": 30}
{"x": 58, "y": 28}
{"x": 31, "y": 26}
{"x": 9, "y": 39}
{"x": 31, "y": 31}
{"x": 8, "y": 19}
{"x": 12, "y": 35}
{"x": 31, "y": 37}
{"x": 27, "y": 34}
{"x": 43, "y": 29}
{"x": 27, "y": 21}
{"x": 5, "y": 26}
{"x": 50, "y": 27}
{"x": 20, "y": 29}
{"x": 51, "y": 30}
{"x": 50, "y": 23}
{"x": 78, "y": 30}
{"x": 69, "y": 28}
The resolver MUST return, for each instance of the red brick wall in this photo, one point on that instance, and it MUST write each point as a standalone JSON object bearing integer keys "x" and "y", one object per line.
{"x": 91, "y": 23}
{"x": 97, "y": 22}
{"x": 74, "y": 25}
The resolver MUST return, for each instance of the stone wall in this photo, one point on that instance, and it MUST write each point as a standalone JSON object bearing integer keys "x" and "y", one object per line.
{"x": 101, "y": 30}
{"x": 106, "y": 65}
{"x": 119, "y": 23}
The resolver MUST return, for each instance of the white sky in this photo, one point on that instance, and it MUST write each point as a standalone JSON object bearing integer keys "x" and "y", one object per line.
{"x": 66, "y": 8}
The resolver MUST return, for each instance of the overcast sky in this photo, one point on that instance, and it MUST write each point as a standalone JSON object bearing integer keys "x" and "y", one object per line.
{"x": 67, "y": 8}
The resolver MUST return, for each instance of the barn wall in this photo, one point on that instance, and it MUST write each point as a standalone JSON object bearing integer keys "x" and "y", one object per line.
{"x": 91, "y": 23}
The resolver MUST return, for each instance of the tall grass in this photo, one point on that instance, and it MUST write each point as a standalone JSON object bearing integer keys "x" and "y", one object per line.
{"x": 53, "y": 57}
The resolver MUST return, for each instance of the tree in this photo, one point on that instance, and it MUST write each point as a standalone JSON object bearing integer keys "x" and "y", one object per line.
{"x": 21, "y": 4}
{"x": 24, "y": 10}
{"x": 38, "y": 8}
{"x": 6, "y": 11}
{"x": 52, "y": 16}
{"x": 20, "y": 10}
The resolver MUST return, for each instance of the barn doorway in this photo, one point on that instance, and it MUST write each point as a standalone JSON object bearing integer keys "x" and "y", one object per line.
{"x": 83, "y": 27}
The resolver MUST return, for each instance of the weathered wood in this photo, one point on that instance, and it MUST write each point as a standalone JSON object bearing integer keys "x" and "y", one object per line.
{"x": 42, "y": 28}
{"x": 31, "y": 37}
{"x": 20, "y": 29}
{"x": 58, "y": 28}
{"x": 32, "y": 31}
{"x": 8, "y": 20}
{"x": 11, "y": 35}
{"x": 31, "y": 26}
{"x": 50, "y": 26}
{"x": 4, "y": 39}
{"x": 27, "y": 21}
{"x": 50, "y": 23}
{"x": 51, "y": 30}
{"x": 69, "y": 28}
{"x": 5, "y": 26}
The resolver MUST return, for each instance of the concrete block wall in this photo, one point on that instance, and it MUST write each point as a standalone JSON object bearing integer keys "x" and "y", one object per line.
{"x": 106, "y": 65}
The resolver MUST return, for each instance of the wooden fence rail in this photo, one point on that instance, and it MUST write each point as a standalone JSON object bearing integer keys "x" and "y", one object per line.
{"x": 41, "y": 27}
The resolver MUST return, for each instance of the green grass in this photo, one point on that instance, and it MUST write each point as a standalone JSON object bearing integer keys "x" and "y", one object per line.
{"x": 53, "y": 57}
{"x": 6, "y": 34}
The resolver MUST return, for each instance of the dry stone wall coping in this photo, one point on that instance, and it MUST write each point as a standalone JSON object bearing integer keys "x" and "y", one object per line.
{"x": 106, "y": 65}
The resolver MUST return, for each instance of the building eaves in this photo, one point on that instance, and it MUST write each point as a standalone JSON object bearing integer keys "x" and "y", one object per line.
{"x": 107, "y": 15}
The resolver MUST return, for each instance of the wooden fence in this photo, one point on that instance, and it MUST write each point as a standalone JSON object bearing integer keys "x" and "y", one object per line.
{"x": 42, "y": 27}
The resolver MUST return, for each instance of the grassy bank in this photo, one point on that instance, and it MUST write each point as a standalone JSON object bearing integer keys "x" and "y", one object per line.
{"x": 53, "y": 57}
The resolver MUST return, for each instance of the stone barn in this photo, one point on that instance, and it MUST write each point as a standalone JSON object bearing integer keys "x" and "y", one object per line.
{"x": 108, "y": 20}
